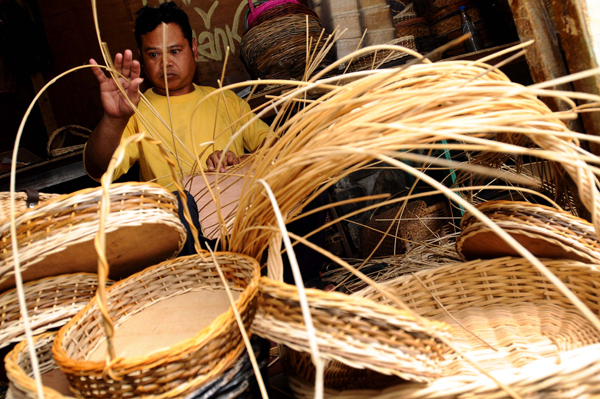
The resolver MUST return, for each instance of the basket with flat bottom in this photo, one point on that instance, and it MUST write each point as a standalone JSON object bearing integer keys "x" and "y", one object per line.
{"x": 174, "y": 329}
{"x": 57, "y": 237}
{"x": 544, "y": 231}
{"x": 353, "y": 331}
{"x": 521, "y": 330}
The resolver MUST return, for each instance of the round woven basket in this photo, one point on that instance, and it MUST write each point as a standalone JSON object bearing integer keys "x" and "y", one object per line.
{"x": 51, "y": 302}
{"x": 544, "y": 231}
{"x": 262, "y": 7}
{"x": 174, "y": 329}
{"x": 20, "y": 374}
{"x": 21, "y": 203}
{"x": 58, "y": 237}
{"x": 285, "y": 8}
{"x": 368, "y": 61}
{"x": 353, "y": 331}
{"x": 277, "y": 48}
{"x": 540, "y": 344}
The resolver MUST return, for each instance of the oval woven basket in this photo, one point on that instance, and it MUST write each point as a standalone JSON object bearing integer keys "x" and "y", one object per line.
{"x": 21, "y": 203}
{"x": 19, "y": 370}
{"x": 544, "y": 231}
{"x": 168, "y": 352}
{"x": 51, "y": 302}
{"x": 354, "y": 331}
{"x": 57, "y": 237}
{"x": 540, "y": 344}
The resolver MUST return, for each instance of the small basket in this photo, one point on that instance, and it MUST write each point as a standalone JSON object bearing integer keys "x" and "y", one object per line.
{"x": 380, "y": 36}
{"x": 378, "y": 17}
{"x": 353, "y": 331}
{"x": 416, "y": 223}
{"x": 349, "y": 21}
{"x": 374, "y": 59}
{"x": 51, "y": 302}
{"x": 407, "y": 13}
{"x": 58, "y": 237}
{"x": 545, "y": 348}
{"x": 20, "y": 373}
{"x": 178, "y": 369}
{"x": 544, "y": 231}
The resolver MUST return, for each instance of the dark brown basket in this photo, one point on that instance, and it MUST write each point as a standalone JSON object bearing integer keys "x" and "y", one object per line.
{"x": 416, "y": 27}
{"x": 417, "y": 223}
{"x": 280, "y": 11}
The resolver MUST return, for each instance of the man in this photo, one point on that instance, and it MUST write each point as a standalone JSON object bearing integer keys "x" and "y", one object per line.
{"x": 216, "y": 120}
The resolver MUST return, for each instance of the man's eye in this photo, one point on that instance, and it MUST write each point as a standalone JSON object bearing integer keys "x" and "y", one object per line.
{"x": 153, "y": 55}
{"x": 174, "y": 51}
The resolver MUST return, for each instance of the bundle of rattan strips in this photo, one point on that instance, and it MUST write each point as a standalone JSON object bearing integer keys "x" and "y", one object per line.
{"x": 158, "y": 360}
{"x": 544, "y": 231}
{"x": 510, "y": 319}
{"x": 354, "y": 331}
{"x": 51, "y": 302}
{"x": 57, "y": 237}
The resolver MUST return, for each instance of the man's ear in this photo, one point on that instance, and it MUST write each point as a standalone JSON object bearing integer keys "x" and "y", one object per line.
{"x": 195, "y": 48}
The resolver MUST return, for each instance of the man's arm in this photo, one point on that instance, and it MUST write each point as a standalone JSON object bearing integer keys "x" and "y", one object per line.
{"x": 105, "y": 139}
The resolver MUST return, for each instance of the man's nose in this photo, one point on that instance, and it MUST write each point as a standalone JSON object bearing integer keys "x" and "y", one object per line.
{"x": 169, "y": 62}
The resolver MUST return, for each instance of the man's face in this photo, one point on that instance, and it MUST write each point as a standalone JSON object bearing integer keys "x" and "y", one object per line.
{"x": 180, "y": 60}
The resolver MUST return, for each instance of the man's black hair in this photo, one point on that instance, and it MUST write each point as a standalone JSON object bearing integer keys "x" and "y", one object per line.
{"x": 148, "y": 18}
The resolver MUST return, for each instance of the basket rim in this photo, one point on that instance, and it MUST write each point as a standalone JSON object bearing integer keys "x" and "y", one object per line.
{"x": 122, "y": 365}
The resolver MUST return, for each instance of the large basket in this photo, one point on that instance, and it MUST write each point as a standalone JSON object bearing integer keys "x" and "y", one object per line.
{"x": 544, "y": 231}
{"x": 545, "y": 348}
{"x": 188, "y": 353}
{"x": 353, "y": 331}
{"x": 20, "y": 374}
{"x": 51, "y": 302}
{"x": 57, "y": 237}
{"x": 277, "y": 48}
{"x": 416, "y": 223}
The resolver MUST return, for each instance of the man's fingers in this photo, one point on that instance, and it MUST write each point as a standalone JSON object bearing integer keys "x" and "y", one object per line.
{"x": 134, "y": 85}
{"x": 98, "y": 72}
{"x": 127, "y": 58}
{"x": 119, "y": 62}
{"x": 211, "y": 161}
{"x": 231, "y": 158}
{"x": 135, "y": 69}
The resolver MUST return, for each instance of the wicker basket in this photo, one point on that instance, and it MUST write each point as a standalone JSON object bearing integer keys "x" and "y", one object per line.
{"x": 545, "y": 232}
{"x": 407, "y": 13}
{"x": 19, "y": 370}
{"x": 58, "y": 138}
{"x": 353, "y": 331}
{"x": 276, "y": 49}
{"x": 397, "y": 6}
{"x": 374, "y": 59}
{"x": 417, "y": 223}
{"x": 21, "y": 203}
{"x": 545, "y": 348}
{"x": 380, "y": 36}
{"x": 416, "y": 27}
{"x": 51, "y": 302}
{"x": 58, "y": 237}
{"x": 286, "y": 8}
{"x": 350, "y": 22}
{"x": 452, "y": 23}
{"x": 376, "y": 18}
{"x": 337, "y": 7}
{"x": 262, "y": 7}
{"x": 347, "y": 46}
{"x": 180, "y": 362}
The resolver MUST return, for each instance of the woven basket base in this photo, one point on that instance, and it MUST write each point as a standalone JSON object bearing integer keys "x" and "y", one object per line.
{"x": 129, "y": 250}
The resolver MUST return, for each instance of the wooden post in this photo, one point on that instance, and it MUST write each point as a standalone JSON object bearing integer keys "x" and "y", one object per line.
{"x": 573, "y": 31}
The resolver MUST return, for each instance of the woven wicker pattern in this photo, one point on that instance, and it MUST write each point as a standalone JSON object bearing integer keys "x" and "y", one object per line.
{"x": 423, "y": 222}
{"x": 351, "y": 23}
{"x": 51, "y": 302}
{"x": 380, "y": 36}
{"x": 353, "y": 331}
{"x": 377, "y": 17}
{"x": 407, "y": 13}
{"x": 280, "y": 11}
{"x": 191, "y": 362}
{"x": 545, "y": 347}
{"x": 416, "y": 27}
{"x": 47, "y": 232}
{"x": 374, "y": 59}
{"x": 371, "y": 3}
{"x": 20, "y": 203}
{"x": 544, "y": 231}
{"x": 18, "y": 368}
{"x": 452, "y": 23}
{"x": 255, "y": 12}
{"x": 340, "y": 6}
{"x": 276, "y": 49}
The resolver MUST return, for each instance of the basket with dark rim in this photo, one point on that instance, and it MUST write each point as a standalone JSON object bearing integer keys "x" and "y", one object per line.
{"x": 174, "y": 329}
{"x": 353, "y": 331}
{"x": 416, "y": 223}
{"x": 277, "y": 47}
{"x": 51, "y": 302}
{"x": 513, "y": 321}
{"x": 57, "y": 237}
{"x": 280, "y": 10}
{"x": 544, "y": 231}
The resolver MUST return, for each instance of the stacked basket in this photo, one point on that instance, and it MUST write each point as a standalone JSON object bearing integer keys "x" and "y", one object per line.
{"x": 275, "y": 45}
{"x": 376, "y": 20}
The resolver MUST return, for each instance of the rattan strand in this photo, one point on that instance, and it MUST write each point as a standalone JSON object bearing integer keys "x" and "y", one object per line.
{"x": 545, "y": 347}
{"x": 353, "y": 331}
{"x": 183, "y": 367}
{"x": 71, "y": 219}
{"x": 51, "y": 302}
{"x": 20, "y": 203}
{"x": 368, "y": 61}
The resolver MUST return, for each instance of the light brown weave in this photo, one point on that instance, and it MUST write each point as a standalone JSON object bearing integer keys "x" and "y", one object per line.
{"x": 545, "y": 348}
{"x": 180, "y": 369}
{"x": 18, "y": 368}
{"x": 56, "y": 238}
{"x": 51, "y": 302}
{"x": 20, "y": 203}
{"x": 375, "y": 59}
{"x": 353, "y": 331}
{"x": 544, "y": 231}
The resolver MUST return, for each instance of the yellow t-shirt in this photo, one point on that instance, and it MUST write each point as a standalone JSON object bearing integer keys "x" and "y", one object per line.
{"x": 216, "y": 119}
